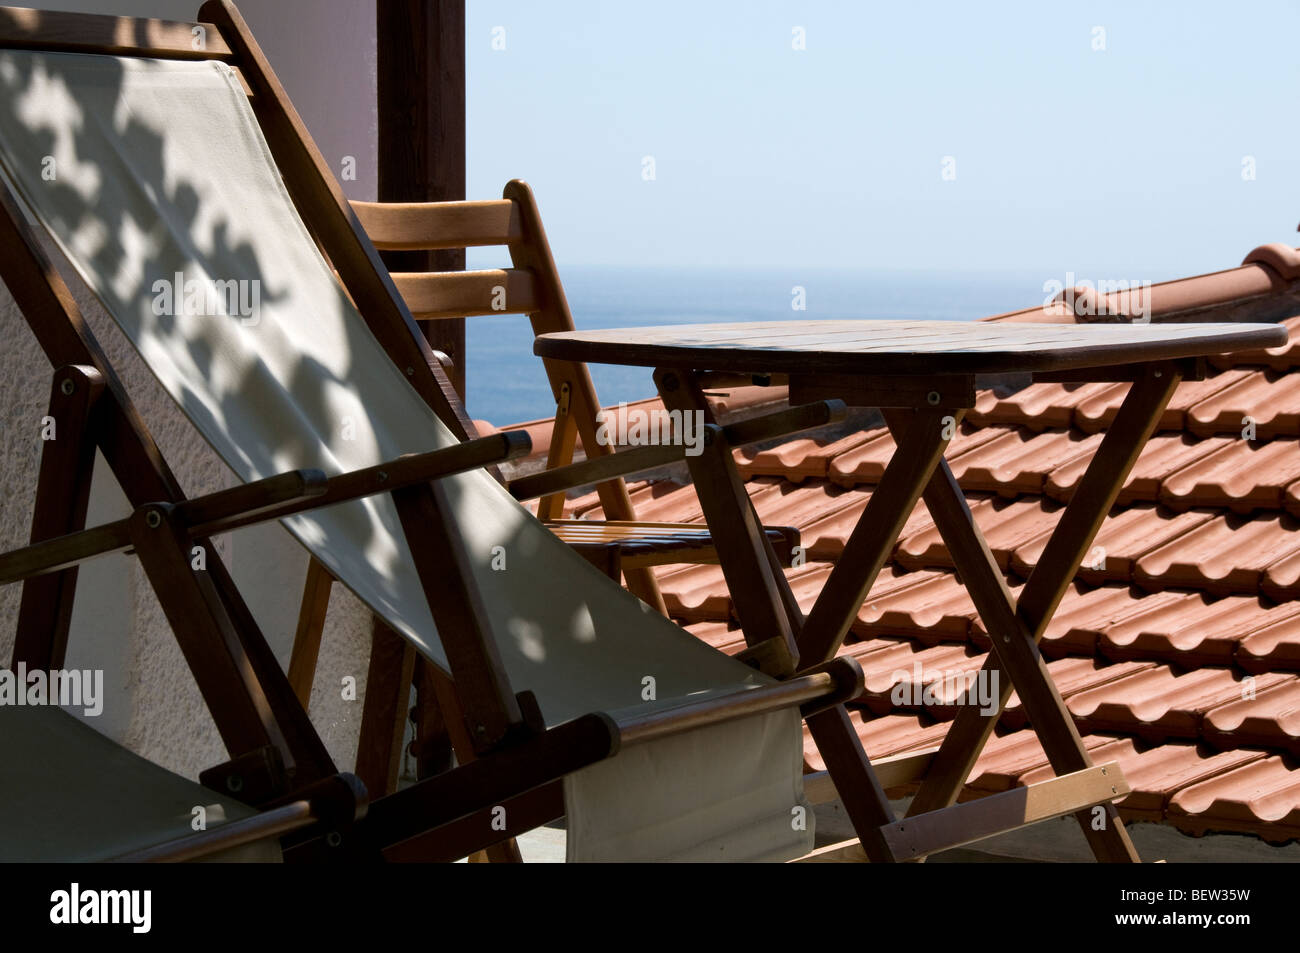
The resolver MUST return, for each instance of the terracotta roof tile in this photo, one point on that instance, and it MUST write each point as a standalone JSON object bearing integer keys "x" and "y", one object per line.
{"x": 695, "y": 593}
{"x": 1271, "y": 400}
{"x": 866, "y": 463}
{"x": 1160, "y": 702}
{"x": 1006, "y": 525}
{"x": 929, "y": 607}
{"x": 937, "y": 609}
{"x": 1271, "y": 719}
{"x": 882, "y": 735}
{"x": 1098, "y": 412}
{"x": 1278, "y": 358}
{"x": 1220, "y": 556}
{"x": 801, "y": 458}
{"x": 825, "y": 512}
{"x": 1037, "y": 407}
{"x": 1019, "y": 461}
{"x": 653, "y": 500}
{"x": 1240, "y": 475}
{"x": 1009, "y": 758}
{"x": 824, "y": 537}
{"x": 1164, "y": 454}
{"x": 933, "y": 680}
{"x": 1262, "y": 798}
{"x": 723, "y": 636}
{"x": 1084, "y": 617}
{"x": 1189, "y": 628}
{"x": 1282, "y": 579}
{"x": 1122, "y": 540}
{"x": 1074, "y": 676}
{"x": 1273, "y": 648}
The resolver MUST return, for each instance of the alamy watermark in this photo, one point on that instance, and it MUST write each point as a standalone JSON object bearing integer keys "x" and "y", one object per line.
{"x": 67, "y": 688}
{"x": 205, "y": 297}
{"x": 639, "y": 427}
{"x": 1086, "y": 298}
{"x": 74, "y": 906}
{"x": 931, "y": 688}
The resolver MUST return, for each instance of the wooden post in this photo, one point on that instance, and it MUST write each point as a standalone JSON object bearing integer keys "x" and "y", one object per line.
{"x": 421, "y": 94}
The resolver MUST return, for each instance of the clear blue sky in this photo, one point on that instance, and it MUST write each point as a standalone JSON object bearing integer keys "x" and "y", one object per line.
{"x": 1122, "y": 163}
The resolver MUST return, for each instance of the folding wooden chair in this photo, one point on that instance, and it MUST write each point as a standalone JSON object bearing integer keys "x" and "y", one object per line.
{"x": 620, "y": 544}
{"x": 605, "y": 675}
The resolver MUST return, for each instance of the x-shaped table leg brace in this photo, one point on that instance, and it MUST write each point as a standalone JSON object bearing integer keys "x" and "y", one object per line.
{"x": 1015, "y": 629}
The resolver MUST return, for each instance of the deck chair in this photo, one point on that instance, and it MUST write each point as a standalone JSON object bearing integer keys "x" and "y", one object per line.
{"x": 72, "y": 795}
{"x": 181, "y": 161}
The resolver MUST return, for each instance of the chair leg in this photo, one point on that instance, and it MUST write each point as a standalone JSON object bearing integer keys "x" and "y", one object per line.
{"x": 224, "y": 669}
{"x": 311, "y": 624}
{"x": 62, "y": 499}
{"x": 432, "y": 747}
{"x": 383, "y": 718}
{"x": 443, "y": 694}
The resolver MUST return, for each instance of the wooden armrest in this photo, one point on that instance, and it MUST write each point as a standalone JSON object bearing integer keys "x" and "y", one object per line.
{"x": 263, "y": 500}
{"x": 336, "y": 801}
{"x": 815, "y": 690}
{"x": 205, "y": 519}
{"x": 625, "y": 462}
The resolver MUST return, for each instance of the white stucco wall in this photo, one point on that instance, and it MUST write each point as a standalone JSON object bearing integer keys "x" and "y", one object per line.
{"x": 324, "y": 54}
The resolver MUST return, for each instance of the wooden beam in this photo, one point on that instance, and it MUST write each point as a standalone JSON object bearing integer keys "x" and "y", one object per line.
{"x": 421, "y": 93}
{"x": 922, "y": 834}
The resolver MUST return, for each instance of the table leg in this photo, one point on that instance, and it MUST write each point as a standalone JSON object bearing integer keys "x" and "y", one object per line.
{"x": 1016, "y": 630}
{"x": 769, "y": 614}
{"x": 920, "y": 450}
{"x": 765, "y": 606}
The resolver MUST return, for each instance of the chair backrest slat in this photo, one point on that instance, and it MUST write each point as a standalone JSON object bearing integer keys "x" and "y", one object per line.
{"x": 454, "y": 294}
{"x": 58, "y": 32}
{"x": 402, "y": 226}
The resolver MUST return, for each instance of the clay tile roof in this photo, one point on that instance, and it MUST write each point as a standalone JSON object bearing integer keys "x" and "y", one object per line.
{"x": 1280, "y": 358}
{"x": 1262, "y": 798}
{"x": 1165, "y": 455}
{"x": 1241, "y": 475}
{"x": 1177, "y": 649}
{"x": 1223, "y": 555}
{"x": 1123, "y": 540}
{"x": 1275, "y": 647}
{"x": 1271, "y": 399}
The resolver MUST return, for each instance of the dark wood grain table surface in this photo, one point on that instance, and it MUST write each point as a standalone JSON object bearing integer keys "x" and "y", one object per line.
{"x": 903, "y": 347}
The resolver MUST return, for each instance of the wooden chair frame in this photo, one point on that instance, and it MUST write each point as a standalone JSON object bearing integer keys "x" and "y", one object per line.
{"x": 532, "y": 287}
{"x": 276, "y": 757}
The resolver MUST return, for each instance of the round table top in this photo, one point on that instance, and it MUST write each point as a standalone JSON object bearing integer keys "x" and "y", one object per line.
{"x": 903, "y": 347}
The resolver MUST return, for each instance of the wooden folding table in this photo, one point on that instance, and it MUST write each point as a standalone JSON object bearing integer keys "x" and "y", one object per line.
{"x": 923, "y": 376}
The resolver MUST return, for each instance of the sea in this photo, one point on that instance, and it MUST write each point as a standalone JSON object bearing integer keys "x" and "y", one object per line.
{"x": 506, "y": 382}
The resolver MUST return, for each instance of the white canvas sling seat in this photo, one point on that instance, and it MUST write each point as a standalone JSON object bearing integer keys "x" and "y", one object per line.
{"x": 164, "y": 192}
{"x": 73, "y": 795}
